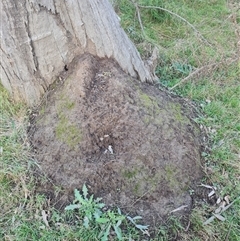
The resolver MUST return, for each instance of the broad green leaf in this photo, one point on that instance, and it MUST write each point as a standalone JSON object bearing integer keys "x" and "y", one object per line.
{"x": 98, "y": 211}
{"x": 102, "y": 220}
{"x": 91, "y": 199}
{"x": 101, "y": 205}
{"x": 85, "y": 191}
{"x": 106, "y": 233}
{"x": 118, "y": 232}
{"x": 98, "y": 199}
{"x": 86, "y": 222}
{"x": 119, "y": 218}
{"x": 119, "y": 223}
{"x": 97, "y": 214}
{"x": 72, "y": 206}
{"x": 111, "y": 214}
{"x": 82, "y": 201}
{"x": 77, "y": 194}
{"x": 119, "y": 211}
{"x": 89, "y": 215}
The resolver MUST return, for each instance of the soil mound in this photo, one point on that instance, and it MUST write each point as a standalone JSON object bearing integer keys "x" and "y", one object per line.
{"x": 131, "y": 144}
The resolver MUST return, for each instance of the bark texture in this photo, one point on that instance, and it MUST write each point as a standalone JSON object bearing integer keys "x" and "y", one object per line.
{"x": 40, "y": 37}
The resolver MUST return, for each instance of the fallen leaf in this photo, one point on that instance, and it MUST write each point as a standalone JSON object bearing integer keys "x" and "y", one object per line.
{"x": 218, "y": 210}
{"x": 228, "y": 206}
{"x": 227, "y": 199}
{"x": 223, "y": 204}
{"x": 211, "y": 193}
{"x": 44, "y": 217}
{"x": 219, "y": 200}
{"x": 110, "y": 149}
{"x": 207, "y": 186}
{"x": 209, "y": 220}
{"x": 220, "y": 217}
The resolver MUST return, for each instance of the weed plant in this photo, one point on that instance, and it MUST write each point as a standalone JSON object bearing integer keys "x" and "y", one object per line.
{"x": 92, "y": 216}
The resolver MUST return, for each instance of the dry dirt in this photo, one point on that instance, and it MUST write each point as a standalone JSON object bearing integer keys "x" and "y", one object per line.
{"x": 133, "y": 145}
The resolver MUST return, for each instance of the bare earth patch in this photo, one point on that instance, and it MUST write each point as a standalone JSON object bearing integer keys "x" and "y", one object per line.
{"x": 132, "y": 145}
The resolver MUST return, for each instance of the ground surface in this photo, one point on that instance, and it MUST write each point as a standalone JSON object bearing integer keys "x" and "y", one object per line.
{"x": 134, "y": 146}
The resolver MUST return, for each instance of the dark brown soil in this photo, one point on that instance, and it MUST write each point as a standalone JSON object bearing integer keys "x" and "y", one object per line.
{"x": 133, "y": 145}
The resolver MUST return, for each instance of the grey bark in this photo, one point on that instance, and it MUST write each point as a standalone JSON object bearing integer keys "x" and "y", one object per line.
{"x": 40, "y": 37}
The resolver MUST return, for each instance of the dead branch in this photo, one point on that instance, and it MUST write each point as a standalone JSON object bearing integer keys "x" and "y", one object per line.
{"x": 178, "y": 16}
{"x": 194, "y": 73}
{"x": 139, "y": 17}
{"x": 205, "y": 69}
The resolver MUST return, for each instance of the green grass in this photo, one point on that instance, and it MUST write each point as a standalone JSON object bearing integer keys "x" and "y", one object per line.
{"x": 216, "y": 93}
{"x": 220, "y": 103}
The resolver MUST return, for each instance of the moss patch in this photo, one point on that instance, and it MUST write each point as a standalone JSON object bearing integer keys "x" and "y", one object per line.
{"x": 65, "y": 104}
{"x": 171, "y": 173}
{"x": 146, "y": 100}
{"x": 67, "y": 132}
{"x": 140, "y": 181}
{"x": 150, "y": 107}
{"x": 130, "y": 173}
{"x": 177, "y": 113}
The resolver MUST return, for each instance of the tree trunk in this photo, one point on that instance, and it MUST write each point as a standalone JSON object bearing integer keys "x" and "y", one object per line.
{"x": 40, "y": 37}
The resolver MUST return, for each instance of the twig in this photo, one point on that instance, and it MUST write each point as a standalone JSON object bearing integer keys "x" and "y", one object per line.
{"x": 139, "y": 17}
{"x": 139, "y": 199}
{"x": 204, "y": 68}
{"x": 178, "y": 16}
{"x": 144, "y": 194}
{"x": 194, "y": 73}
{"x": 186, "y": 229}
{"x": 179, "y": 209}
{"x": 207, "y": 186}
